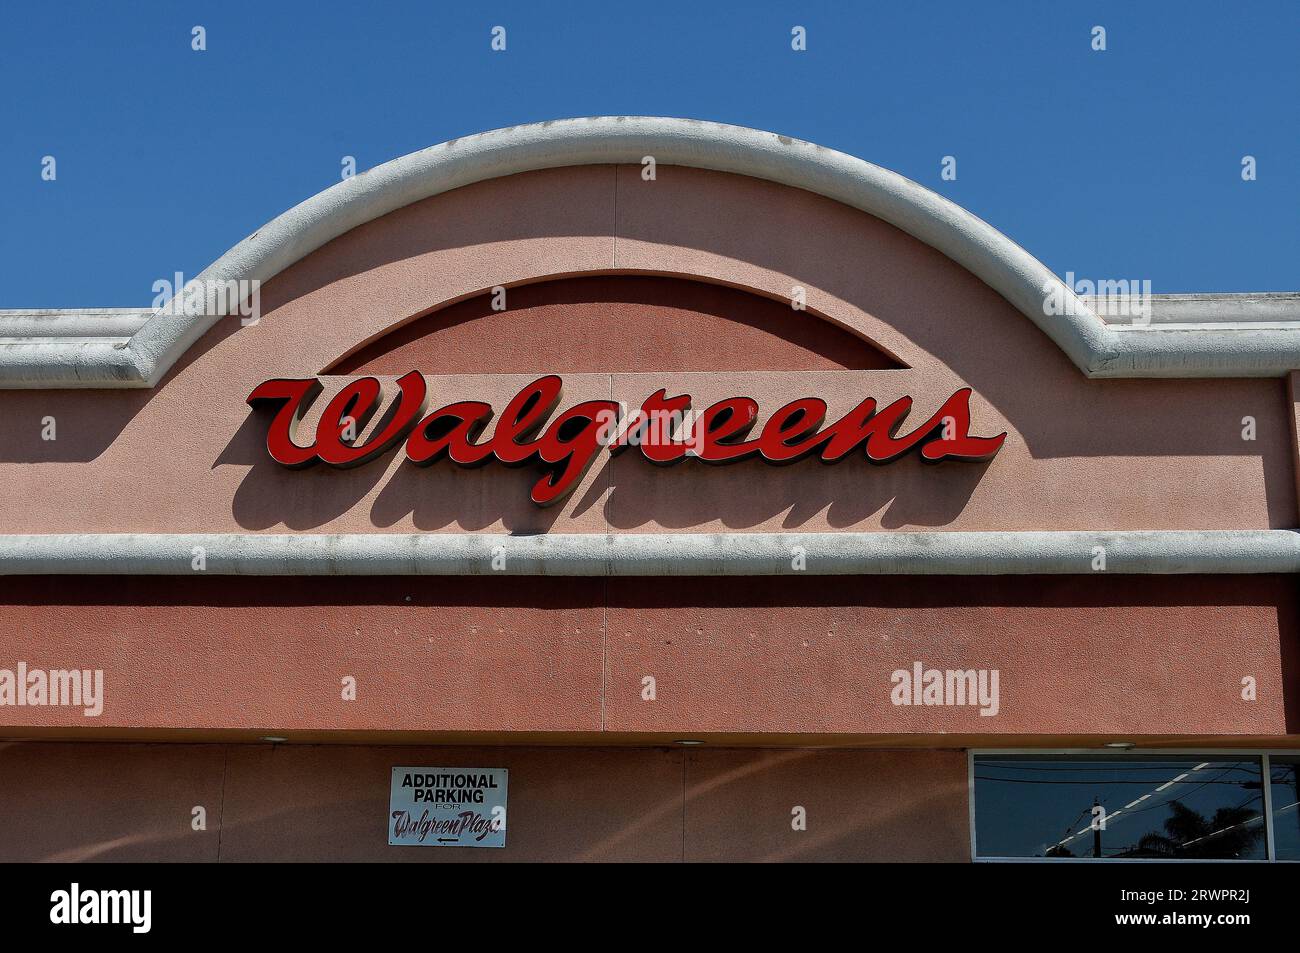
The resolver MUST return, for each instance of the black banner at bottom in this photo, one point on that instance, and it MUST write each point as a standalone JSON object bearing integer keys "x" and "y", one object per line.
{"x": 139, "y": 903}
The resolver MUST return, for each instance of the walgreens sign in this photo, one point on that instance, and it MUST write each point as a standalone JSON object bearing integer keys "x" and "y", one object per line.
{"x": 666, "y": 430}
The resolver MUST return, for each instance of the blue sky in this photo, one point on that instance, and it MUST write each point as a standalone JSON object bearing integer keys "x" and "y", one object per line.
{"x": 1119, "y": 164}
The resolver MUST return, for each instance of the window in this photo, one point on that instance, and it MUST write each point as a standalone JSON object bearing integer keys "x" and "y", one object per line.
{"x": 1136, "y": 806}
{"x": 1285, "y": 775}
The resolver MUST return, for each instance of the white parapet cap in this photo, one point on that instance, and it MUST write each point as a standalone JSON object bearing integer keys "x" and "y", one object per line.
{"x": 1218, "y": 336}
{"x": 1198, "y": 312}
{"x": 37, "y": 324}
{"x": 1157, "y": 552}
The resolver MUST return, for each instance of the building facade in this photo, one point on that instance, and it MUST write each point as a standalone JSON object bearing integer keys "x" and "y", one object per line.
{"x": 645, "y": 489}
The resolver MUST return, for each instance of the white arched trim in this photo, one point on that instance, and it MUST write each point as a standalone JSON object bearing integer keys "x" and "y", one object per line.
{"x": 1199, "y": 350}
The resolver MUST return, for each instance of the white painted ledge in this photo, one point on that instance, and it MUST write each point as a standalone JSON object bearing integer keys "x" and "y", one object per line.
{"x": 1236, "y": 311}
{"x": 1100, "y": 351}
{"x": 672, "y": 554}
{"x": 49, "y": 325}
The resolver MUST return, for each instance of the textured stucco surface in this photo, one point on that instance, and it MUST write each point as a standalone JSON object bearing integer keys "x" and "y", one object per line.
{"x": 565, "y": 327}
{"x": 109, "y": 802}
{"x": 330, "y": 803}
{"x": 1082, "y": 454}
{"x": 1140, "y": 655}
{"x": 903, "y": 806}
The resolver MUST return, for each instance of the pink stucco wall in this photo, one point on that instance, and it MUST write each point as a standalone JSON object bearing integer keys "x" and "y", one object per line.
{"x": 1077, "y": 655}
{"x": 122, "y": 802}
{"x": 737, "y": 661}
{"x": 1081, "y": 454}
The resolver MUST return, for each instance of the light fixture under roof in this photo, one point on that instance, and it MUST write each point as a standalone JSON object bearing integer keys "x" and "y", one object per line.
{"x": 1122, "y": 745}
{"x": 688, "y": 741}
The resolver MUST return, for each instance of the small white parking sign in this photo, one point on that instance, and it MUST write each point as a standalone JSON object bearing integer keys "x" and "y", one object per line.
{"x": 448, "y": 807}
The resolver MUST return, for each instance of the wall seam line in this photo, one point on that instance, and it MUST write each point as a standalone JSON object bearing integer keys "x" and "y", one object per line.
{"x": 685, "y": 757}
{"x": 225, "y": 772}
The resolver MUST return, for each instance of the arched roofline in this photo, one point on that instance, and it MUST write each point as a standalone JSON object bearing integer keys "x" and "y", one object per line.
{"x": 1097, "y": 349}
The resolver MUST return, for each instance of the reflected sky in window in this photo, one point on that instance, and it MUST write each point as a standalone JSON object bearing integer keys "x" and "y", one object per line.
{"x": 1285, "y": 772}
{"x": 1156, "y": 807}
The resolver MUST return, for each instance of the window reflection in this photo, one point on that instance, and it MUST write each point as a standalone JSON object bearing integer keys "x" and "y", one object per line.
{"x": 1155, "y": 807}
{"x": 1285, "y": 774}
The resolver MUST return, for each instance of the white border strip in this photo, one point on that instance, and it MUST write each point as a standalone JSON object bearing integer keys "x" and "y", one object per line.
{"x": 1024, "y": 281}
{"x": 669, "y": 554}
